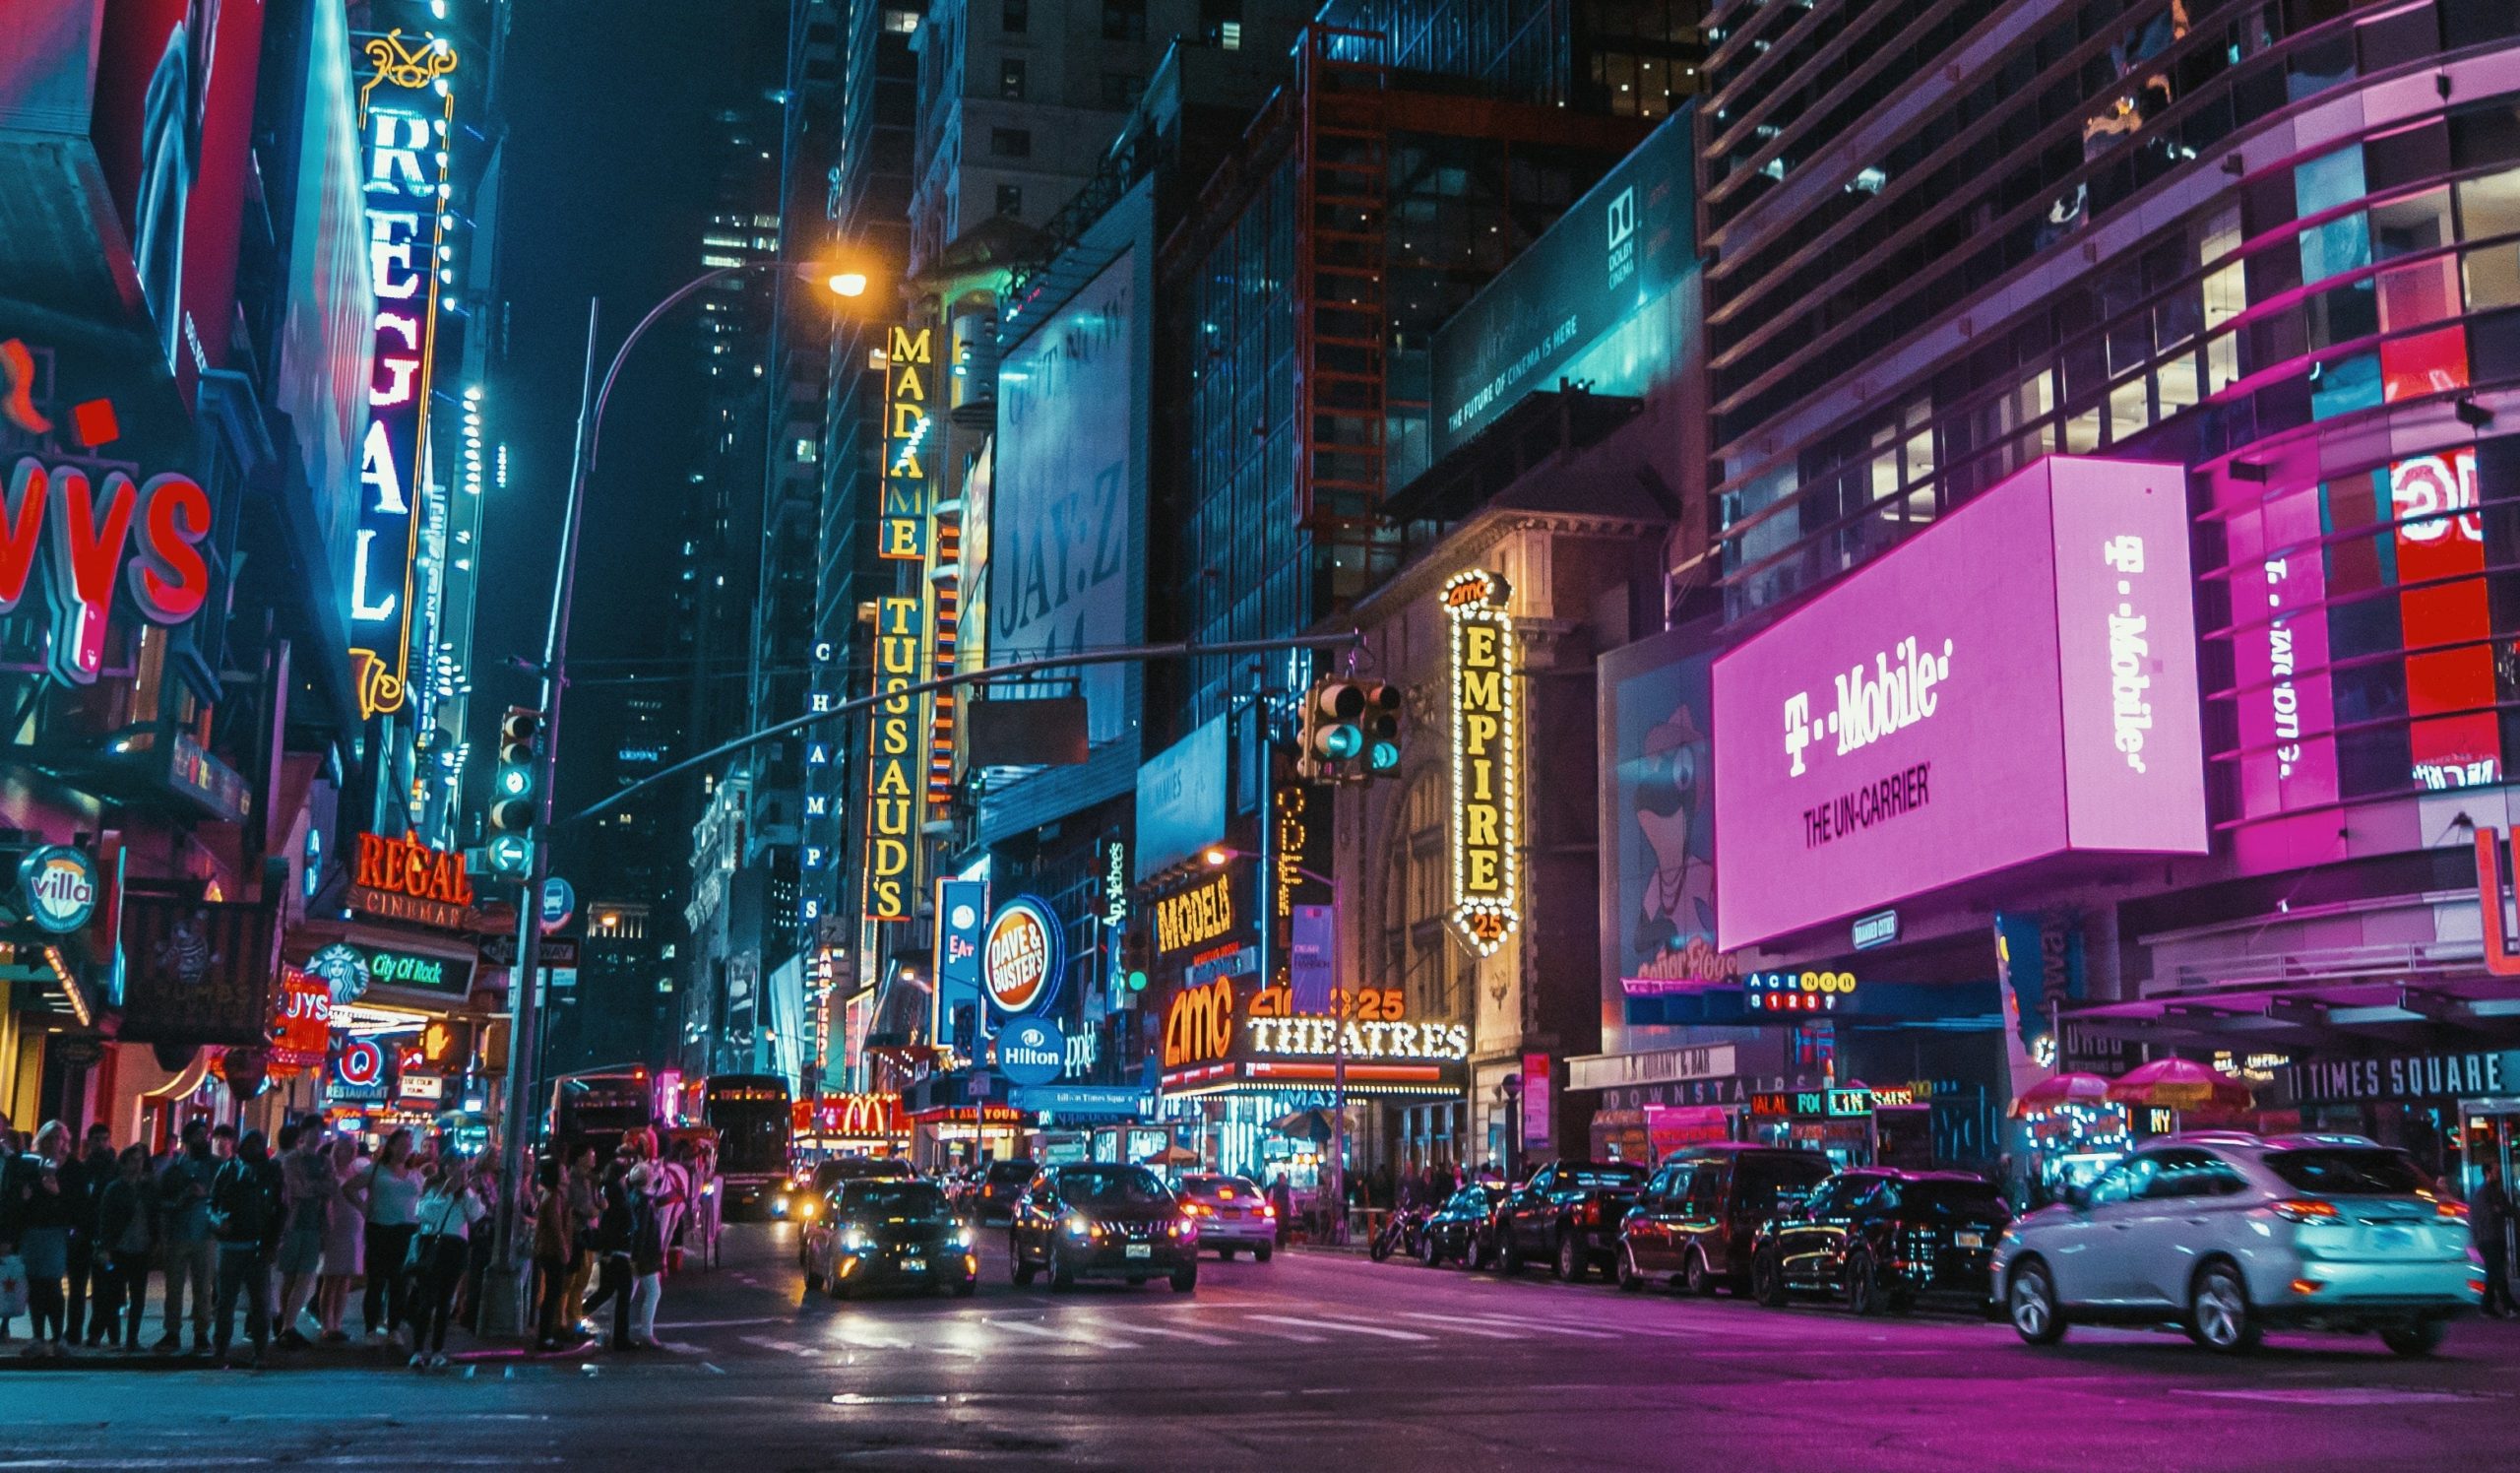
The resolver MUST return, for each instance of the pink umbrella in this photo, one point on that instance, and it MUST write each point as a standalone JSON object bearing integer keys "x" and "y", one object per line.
{"x": 2061, "y": 1089}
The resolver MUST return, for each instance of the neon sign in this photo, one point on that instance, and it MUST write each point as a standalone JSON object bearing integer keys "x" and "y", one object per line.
{"x": 407, "y": 880}
{"x": 1486, "y": 759}
{"x": 1194, "y": 917}
{"x": 1020, "y": 958}
{"x": 1198, "y": 1026}
{"x": 892, "y": 758}
{"x": 405, "y": 110}
{"x": 2450, "y": 688}
{"x": 902, "y": 532}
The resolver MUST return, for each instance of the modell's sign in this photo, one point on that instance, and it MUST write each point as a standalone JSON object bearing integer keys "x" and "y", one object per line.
{"x": 402, "y": 879}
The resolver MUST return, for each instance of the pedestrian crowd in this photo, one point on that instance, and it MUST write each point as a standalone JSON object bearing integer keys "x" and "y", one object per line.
{"x": 285, "y": 1234}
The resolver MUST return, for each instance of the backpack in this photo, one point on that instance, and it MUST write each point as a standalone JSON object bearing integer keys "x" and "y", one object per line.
{"x": 240, "y": 1204}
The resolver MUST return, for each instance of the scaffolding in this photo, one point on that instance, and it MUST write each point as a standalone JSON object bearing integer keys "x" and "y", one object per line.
{"x": 1343, "y": 186}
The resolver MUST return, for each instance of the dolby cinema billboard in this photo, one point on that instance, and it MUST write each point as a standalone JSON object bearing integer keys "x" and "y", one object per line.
{"x": 2016, "y": 683}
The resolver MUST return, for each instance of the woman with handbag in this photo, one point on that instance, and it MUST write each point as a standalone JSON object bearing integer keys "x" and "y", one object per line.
{"x": 447, "y": 1213}
{"x": 43, "y": 1237}
{"x": 344, "y": 1239}
{"x": 390, "y": 1202}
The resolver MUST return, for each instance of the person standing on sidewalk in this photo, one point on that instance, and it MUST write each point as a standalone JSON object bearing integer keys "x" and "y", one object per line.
{"x": 183, "y": 1220}
{"x": 583, "y": 1186}
{"x": 95, "y": 1171}
{"x": 344, "y": 1235}
{"x": 447, "y": 1213}
{"x": 309, "y": 1186}
{"x": 614, "y": 1231}
{"x": 126, "y": 1234}
{"x": 551, "y": 1252}
{"x": 647, "y": 1254}
{"x": 245, "y": 1207}
{"x": 392, "y": 1192}
{"x": 2490, "y": 1218}
{"x": 50, "y": 1211}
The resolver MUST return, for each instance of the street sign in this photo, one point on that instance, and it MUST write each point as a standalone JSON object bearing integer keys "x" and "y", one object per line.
{"x": 554, "y": 951}
{"x": 1032, "y": 1051}
{"x": 1111, "y": 1100}
{"x": 559, "y": 903}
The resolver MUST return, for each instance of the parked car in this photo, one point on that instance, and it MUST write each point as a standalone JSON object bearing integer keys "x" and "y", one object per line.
{"x": 1884, "y": 1238}
{"x": 1102, "y": 1221}
{"x": 1461, "y": 1229}
{"x": 1568, "y": 1214}
{"x": 1233, "y": 1214}
{"x": 889, "y": 1232}
{"x": 1000, "y": 1184}
{"x": 1696, "y": 1217}
{"x": 2225, "y": 1235}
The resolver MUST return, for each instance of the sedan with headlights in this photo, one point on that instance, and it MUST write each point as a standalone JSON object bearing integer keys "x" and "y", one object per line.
{"x": 1233, "y": 1214}
{"x": 1102, "y": 1221}
{"x": 881, "y": 1233}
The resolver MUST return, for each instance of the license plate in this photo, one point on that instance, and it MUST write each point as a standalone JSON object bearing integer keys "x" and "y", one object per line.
{"x": 1140, "y": 1251}
{"x": 914, "y": 1264}
{"x": 1970, "y": 1239}
{"x": 2393, "y": 1236}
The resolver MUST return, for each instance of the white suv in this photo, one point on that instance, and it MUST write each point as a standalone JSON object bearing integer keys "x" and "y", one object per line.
{"x": 2226, "y": 1234}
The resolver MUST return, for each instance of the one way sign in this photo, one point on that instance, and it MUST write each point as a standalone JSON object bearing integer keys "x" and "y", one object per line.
{"x": 555, "y": 951}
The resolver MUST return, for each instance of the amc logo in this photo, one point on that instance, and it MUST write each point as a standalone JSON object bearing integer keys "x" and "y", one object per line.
{"x": 1199, "y": 1026}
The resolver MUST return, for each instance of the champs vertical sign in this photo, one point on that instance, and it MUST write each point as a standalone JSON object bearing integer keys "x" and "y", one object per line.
{"x": 910, "y": 372}
{"x": 406, "y": 107}
{"x": 894, "y": 752}
{"x": 1486, "y": 759}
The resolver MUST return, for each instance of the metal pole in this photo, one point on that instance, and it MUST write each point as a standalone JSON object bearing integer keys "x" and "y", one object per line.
{"x": 503, "y": 1304}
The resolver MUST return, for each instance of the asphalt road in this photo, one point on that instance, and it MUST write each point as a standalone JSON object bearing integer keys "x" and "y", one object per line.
{"x": 1312, "y": 1361}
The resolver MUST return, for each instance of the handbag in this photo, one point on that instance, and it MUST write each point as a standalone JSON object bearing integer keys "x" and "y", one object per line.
{"x": 421, "y": 1249}
{"x": 12, "y": 1287}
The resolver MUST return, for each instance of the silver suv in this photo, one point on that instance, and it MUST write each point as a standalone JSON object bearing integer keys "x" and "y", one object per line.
{"x": 2226, "y": 1234}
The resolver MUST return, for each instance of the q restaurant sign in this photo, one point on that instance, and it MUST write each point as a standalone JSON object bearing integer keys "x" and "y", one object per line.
{"x": 1486, "y": 759}
{"x": 1021, "y": 956}
{"x": 402, "y": 879}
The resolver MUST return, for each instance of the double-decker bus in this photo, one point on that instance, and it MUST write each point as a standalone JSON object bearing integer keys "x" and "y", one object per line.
{"x": 598, "y": 1110}
{"x": 750, "y": 1114}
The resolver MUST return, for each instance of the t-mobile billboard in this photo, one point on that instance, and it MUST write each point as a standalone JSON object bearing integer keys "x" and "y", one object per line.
{"x": 2018, "y": 682}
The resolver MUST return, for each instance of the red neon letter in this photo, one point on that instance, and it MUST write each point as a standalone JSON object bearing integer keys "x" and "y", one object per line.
{"x": 21, "y": 529}
{"x": 169, "y": 579}
{"x": 88, "y": 539}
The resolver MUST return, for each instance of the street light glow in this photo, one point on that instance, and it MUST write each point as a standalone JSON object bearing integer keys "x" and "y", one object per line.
{"x": 848, "y": 283}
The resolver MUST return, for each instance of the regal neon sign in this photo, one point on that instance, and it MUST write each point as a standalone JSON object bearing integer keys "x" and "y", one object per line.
{"x": 406, "y": 109}
{"x": 1486, "y": 760}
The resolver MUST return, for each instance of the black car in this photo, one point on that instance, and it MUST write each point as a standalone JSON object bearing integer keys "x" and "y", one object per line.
{"x": 1459, "y": 1230}
{"x": 1696, "y": 1218}
{"x": 1000, "y": 1184}
{"x": 1884, "y": 1239}
{"x": 1102, "y": 1221}
{"x": 886, "y": 1232}
{"x": 1568, "y": 1215}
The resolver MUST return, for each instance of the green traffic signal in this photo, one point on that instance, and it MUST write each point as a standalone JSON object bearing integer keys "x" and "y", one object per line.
{"x": 1137, "y": 982}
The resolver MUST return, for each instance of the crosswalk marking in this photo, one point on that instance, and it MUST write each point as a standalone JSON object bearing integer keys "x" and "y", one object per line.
{"x": 1456, "y": 1322}
{"x": 1539, "y": 1326}
{"x": 785, "y": 1347}
{"x": 1156, "y": 1329}
{"x": 1047, "y": 1333}
{"x": 1343, "y": 1326}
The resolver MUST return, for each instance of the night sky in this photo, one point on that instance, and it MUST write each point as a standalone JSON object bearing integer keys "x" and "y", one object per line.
{"x": 607, "y": 185}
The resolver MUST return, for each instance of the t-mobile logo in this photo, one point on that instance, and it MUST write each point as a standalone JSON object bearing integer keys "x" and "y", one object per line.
{"x": 1895, "y": 694}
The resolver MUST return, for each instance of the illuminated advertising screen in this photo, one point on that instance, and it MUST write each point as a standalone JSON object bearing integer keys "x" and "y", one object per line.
{"x": 2015, "y": 683}
{"x": 1063, "y": 500}
{"x": 327, "y": 346}
{"x": 2285, "y": 706}
{"x": 1657, "y": 819}
{"x": 2455, "y": 736}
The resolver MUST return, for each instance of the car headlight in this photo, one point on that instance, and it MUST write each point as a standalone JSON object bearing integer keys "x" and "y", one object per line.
{"x": 963, "y": 1238}
{"x": 855, "y": 1241}
{"x": 806, "y": 1208}
{"x": 1079, "y": 1226}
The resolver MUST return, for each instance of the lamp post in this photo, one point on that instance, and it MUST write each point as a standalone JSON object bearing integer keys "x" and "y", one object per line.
{"x": 504, "y": 1301}
{"x": 1217, "y": 857}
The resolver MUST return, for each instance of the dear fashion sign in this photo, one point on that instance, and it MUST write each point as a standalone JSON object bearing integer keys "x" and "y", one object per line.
{"x": 2017, "y": 683}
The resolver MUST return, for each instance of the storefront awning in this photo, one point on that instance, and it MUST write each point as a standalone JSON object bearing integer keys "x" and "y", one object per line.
{"x": 2312, "y": 1016}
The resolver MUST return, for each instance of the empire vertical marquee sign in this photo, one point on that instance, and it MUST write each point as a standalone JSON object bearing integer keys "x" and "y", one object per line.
{"x": 406, "y": 107}
{"x": 1486, "y": 759}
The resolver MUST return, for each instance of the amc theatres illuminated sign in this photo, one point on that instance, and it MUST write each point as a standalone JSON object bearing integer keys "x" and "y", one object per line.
{"x": 2016, "y": 683}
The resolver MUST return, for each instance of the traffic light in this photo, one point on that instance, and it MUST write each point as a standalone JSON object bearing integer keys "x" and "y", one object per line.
{"x": 1137, "y": 957}
{"x": 1381, "y": 726}
{"x": 513, "y": 799}
{"x": 1331, "y": 736}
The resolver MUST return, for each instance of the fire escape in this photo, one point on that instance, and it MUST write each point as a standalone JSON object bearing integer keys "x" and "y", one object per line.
{"x": 1341, "y": 321}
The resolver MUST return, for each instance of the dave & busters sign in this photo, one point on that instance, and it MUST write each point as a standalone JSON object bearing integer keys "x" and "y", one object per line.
{"x": 2018, "y": 682}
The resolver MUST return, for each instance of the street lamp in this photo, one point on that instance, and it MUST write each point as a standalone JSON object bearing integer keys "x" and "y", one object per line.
{"x": 1217, "y": 857}
{"x": 524, "y": 1002}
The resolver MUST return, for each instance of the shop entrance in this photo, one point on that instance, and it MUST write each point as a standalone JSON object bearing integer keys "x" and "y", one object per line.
{"x": 2489, "y": 1136}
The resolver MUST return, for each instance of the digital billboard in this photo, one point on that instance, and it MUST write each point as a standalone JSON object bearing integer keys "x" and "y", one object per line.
{"x": 2018, "y": 682}
{"x": 1657, "y": 819}
{"x": 327, "y": 353}
{"x": 1622, "y": 247}
{"x": 1064, "y": 497}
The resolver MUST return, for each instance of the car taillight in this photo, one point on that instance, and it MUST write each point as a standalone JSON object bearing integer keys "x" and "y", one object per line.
{"x": 1267, "y": 1210}
{"x": 1593, "y": 1214}
{"x": 2304, "y": 1209}
{"x": 2457, "y": 1210}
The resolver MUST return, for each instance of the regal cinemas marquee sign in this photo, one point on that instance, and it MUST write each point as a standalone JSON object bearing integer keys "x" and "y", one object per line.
{"x": 402, "y": 879}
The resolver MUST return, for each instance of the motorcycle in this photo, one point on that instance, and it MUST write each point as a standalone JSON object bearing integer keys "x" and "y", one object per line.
{"x": 1402, "y": 1231}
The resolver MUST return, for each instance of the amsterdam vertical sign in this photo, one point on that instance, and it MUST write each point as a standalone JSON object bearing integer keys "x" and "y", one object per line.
{"x": 406, "y": 107}
{"x": 1487, "y": 757}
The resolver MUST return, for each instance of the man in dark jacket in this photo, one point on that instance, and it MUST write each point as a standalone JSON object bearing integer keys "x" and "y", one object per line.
{"x": 245, "y": 1202}
{"x": 183, "y": 1234}
{"x": 84, "y": 1180}
{"x": 2490, "y": 1218}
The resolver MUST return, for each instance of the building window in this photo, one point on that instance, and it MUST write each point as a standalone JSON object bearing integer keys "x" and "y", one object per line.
{"x": 1010, "y": 79}
{"x": 904, "y": 22}
{"x": 807, "y": 452}
{"x": 1010, "y": 201}
{"x": 1123, "y": 88}
{"x": 1015, "y": 17}
{"x": 1124, "y": 20}
{"x": 1011, "y": 143}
